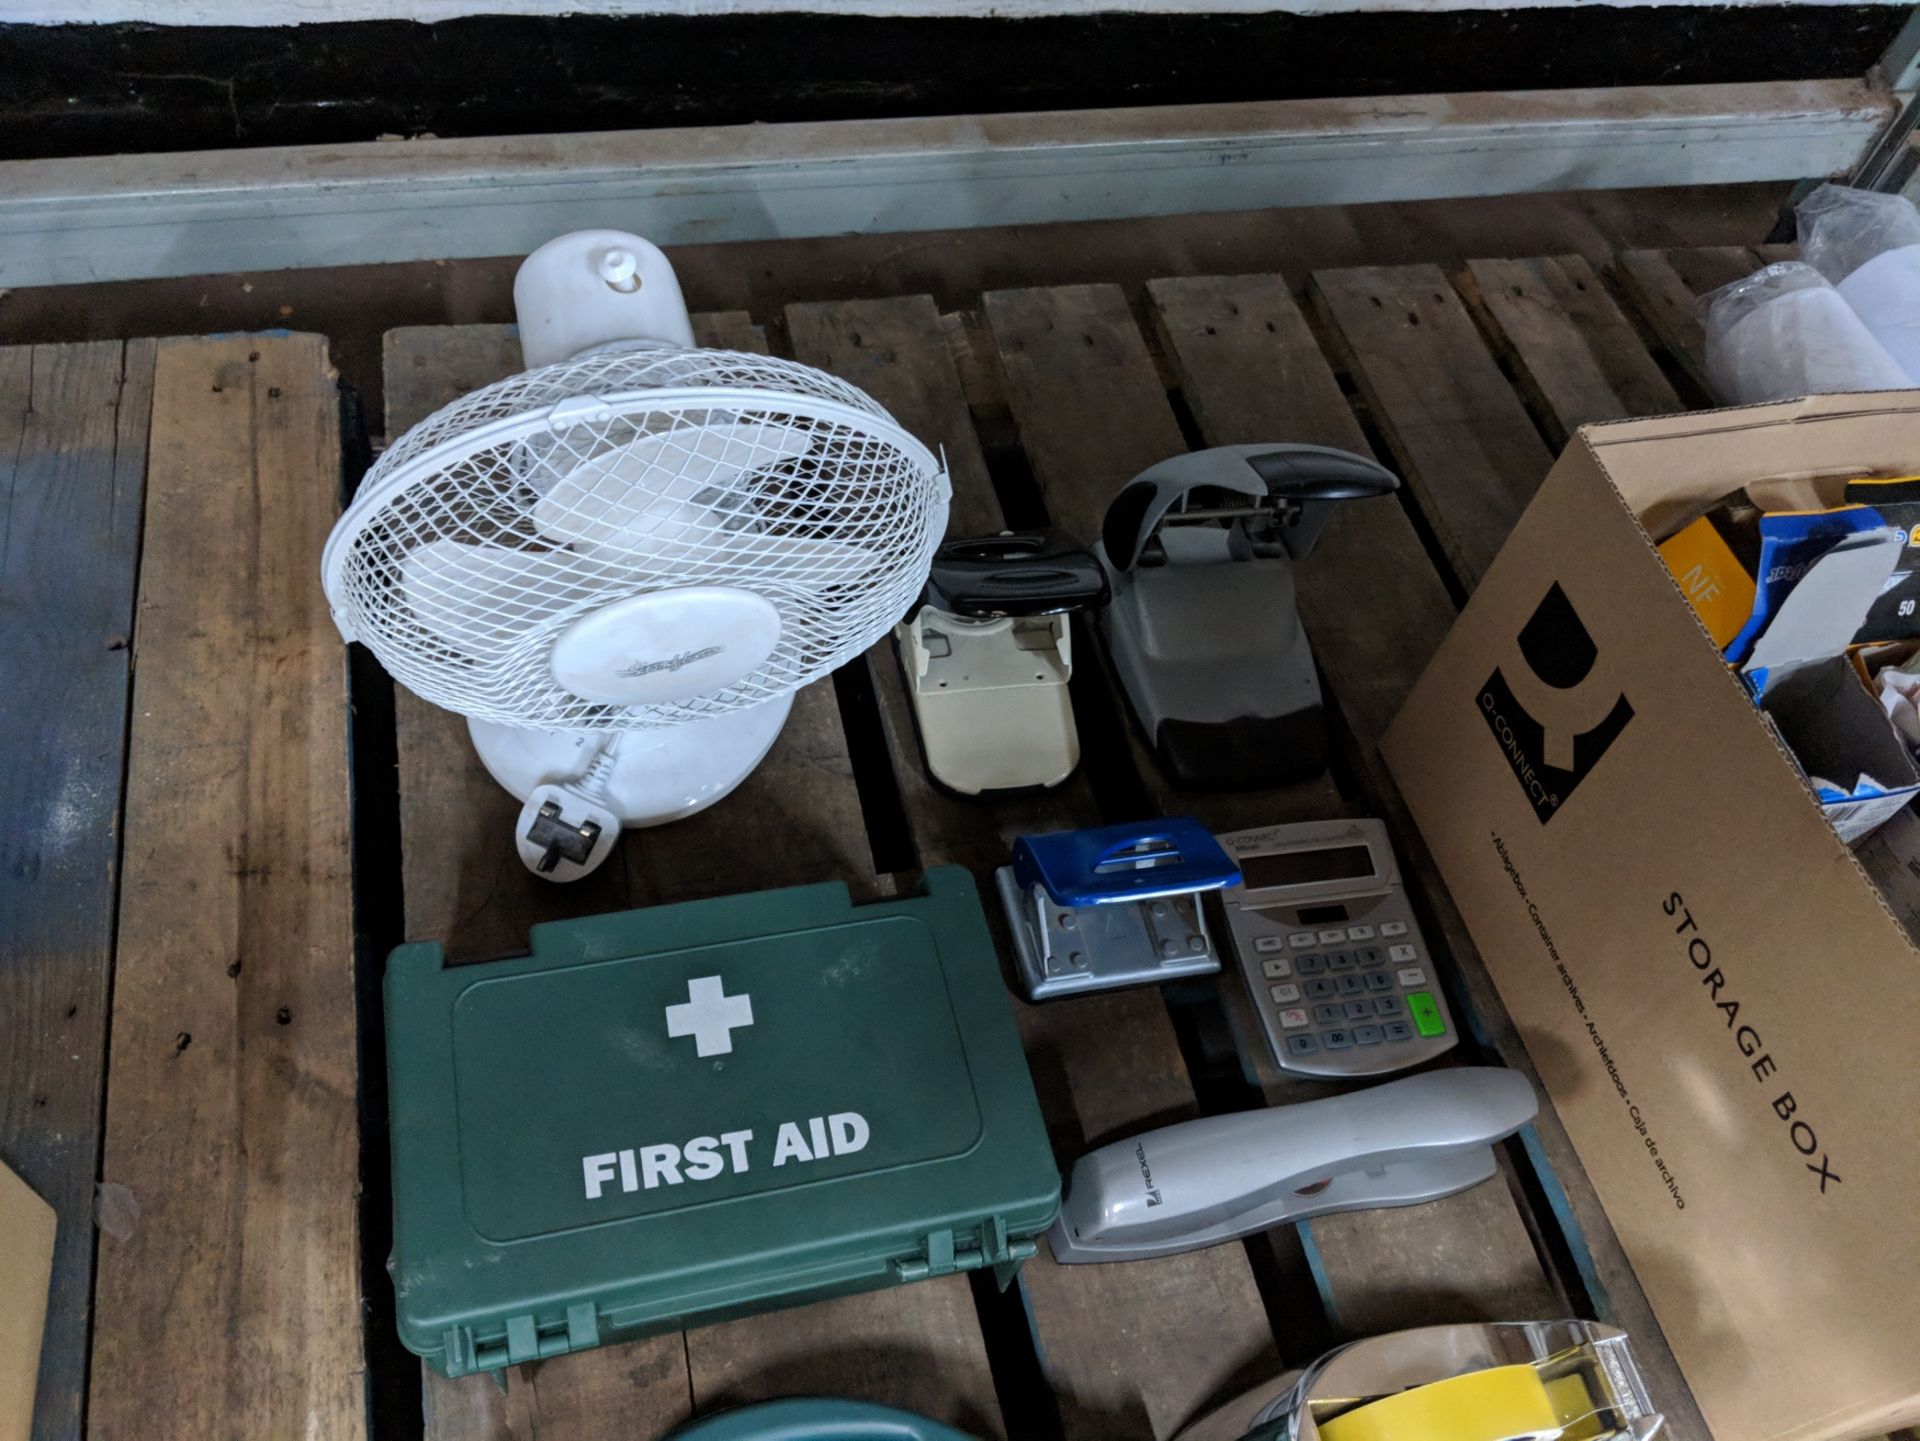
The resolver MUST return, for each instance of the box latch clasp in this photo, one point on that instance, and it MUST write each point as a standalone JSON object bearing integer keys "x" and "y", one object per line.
{"x": 941, "y": 1256}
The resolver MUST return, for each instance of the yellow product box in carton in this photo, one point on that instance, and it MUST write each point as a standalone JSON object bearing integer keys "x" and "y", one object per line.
{"x": 1711, "y": 577}
{"x": 1720, "y": 1004}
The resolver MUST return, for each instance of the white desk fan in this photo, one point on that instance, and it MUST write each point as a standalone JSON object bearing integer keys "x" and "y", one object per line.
{"x": 620, "y": 564}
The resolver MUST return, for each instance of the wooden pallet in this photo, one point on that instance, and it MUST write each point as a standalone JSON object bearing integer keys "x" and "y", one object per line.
{"x": 210, "y": 917}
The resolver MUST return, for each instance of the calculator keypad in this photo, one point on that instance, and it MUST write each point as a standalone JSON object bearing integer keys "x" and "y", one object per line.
{"x": 1352, "y": 1000}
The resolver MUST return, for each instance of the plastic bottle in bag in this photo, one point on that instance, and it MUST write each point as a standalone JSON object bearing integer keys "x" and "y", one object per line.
{"x": 1868, "y": 245}
{"x": 1784, "y": 331}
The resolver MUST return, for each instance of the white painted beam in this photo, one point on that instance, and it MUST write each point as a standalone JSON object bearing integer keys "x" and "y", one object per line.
{"x": 130, "y": 217}
{"x": 299, "y": 12}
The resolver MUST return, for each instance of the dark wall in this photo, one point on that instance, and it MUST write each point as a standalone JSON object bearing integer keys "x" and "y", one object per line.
{"x": 76, "y": 89}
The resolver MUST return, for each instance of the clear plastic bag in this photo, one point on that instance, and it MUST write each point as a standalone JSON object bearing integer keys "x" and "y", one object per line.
{"x": 1841, "y": 228}
{"x": 1868, "y": 245}
{"x": 1784, "y": 331}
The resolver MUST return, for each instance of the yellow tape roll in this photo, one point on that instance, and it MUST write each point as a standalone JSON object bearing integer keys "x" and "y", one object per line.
{"x": 1504, "y": 1403}
{"x": 1573, "y": 1404}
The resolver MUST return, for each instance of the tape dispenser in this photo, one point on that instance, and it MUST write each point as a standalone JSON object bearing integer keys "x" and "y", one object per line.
{"x": 1110, "y": 906}
{"x": 1500, "y": 1381}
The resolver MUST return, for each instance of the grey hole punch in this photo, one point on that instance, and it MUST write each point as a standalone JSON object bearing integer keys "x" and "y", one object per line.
{"x": 1198, "y": 1183}
{"x": 1202, "y": 627}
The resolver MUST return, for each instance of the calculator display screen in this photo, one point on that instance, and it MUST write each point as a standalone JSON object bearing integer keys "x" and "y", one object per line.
{"x": 1328, "y": 915}
{"x": 1300, "y": 868}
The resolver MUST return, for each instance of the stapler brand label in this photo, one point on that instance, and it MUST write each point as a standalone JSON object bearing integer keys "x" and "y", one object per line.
{"x": 1556, "y": 657}
{"x": 1146, "y": 1174}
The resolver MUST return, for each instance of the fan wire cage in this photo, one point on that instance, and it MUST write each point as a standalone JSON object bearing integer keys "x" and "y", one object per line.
{"x": 494, "y": 524}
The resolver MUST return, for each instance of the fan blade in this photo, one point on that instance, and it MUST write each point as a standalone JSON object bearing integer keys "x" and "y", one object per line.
{"x": 753, "y": 558}
{"x": 644, "y": 499}
{"x": 479, "y": 598}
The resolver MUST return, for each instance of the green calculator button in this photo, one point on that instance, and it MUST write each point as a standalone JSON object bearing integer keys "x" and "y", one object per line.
{"x": 1426, "y": 1013}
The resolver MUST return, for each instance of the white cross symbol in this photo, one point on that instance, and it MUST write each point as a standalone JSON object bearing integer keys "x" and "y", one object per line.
{"x": 709, "y": 1015}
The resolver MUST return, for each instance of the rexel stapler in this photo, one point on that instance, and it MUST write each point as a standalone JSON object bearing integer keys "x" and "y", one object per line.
{"x": 988, "y": 655}
{"x": 1198, "y": 1183}
{"x": 1202, "y": 626}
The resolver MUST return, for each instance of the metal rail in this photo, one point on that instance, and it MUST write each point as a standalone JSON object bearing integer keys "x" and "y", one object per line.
{"x": 139, "y": 216}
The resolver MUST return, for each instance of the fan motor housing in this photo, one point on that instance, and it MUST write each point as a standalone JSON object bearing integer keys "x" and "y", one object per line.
{"x": 666, "y": 645}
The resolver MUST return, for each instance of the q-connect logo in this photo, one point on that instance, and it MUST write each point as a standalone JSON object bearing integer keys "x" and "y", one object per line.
{"x": 671, "y": 663}
{"x": 1557, "y": 734}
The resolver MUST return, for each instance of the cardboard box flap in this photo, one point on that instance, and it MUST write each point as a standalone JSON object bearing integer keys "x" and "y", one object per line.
{"x": 1671, "y": 468}
{"x": 26, "y": 1267}
{"x": 1838, "y": 734}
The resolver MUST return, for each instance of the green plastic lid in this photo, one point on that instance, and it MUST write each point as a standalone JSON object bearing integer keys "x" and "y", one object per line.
{"x": 817, "y": 1419}
{"x": 666, "y": 1117}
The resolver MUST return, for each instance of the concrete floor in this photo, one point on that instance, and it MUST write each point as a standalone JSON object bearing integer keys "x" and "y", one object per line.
{"x": 354, "y": 305}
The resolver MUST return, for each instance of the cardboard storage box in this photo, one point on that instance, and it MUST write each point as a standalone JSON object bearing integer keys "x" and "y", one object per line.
{"x": 1721, "y": 1006}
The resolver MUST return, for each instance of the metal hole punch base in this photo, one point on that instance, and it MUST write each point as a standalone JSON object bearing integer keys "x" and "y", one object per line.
{"x": 1112, "y": 906}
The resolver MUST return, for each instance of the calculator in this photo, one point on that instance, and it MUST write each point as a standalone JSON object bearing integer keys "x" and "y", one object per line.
{"x": 1340, "y": 974}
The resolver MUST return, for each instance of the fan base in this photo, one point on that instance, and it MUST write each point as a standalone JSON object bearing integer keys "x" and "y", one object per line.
{"x": 590, "y": 784}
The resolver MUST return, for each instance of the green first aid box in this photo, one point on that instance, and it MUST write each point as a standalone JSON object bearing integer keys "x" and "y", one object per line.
{"x": 667, "y": 1117}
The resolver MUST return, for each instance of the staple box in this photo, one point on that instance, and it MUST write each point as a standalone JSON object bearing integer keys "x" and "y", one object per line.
{"x": 1723, "y": 1010}
{"x": 667, "y": 1117}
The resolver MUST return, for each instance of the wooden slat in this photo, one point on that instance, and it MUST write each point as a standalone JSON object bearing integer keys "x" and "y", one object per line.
{"x": 638, "y": 1389}
{"x": 1086, "y": 1359}
{"x": 1666, "y": 286}
{"x": 920, "y": 384}
{"x": 1091, "y": 414}
{"x": 796, "y": 819}
{"x": 1575, "y": 356}
{"x": 1138, "y": 1376}
{"x": 1377, "y": 611}
{"x": 1251, "y": 371}
{"x": 1074, "y": 358}
{"x": 73, "y": 451}
{"x": 230, "y": 1305}
{"x": 464, "y": 885}
{"x": 463, "y": 882}
{"x": 729, "y": 330}
{"x": 882, "y": 347}
{"x": 1459, "y": 435}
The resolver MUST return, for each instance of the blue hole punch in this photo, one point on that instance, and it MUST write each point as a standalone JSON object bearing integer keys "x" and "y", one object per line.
{"x": 1112, "y": 906}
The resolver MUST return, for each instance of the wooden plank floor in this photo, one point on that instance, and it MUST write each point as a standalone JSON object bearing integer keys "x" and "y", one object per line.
{"x": 228, "y": 1295}
{"x": 228, "y": 1268}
